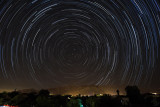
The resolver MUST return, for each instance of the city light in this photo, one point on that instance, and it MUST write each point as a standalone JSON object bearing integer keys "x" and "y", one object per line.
{"x": 154, "y": 93}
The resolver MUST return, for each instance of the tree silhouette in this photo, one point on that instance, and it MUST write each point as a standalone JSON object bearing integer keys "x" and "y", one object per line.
{"x": 133, "y": 93}
{"x": 44, "y": 93}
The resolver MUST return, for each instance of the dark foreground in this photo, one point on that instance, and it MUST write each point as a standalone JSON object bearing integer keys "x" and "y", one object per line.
{"x": 133, "y": 98}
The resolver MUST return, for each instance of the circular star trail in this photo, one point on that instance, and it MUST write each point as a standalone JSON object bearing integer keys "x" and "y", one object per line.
{"x": 84, "y": 42}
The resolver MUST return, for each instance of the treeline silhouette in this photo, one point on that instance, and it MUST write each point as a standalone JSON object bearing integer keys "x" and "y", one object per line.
{"x": 133, "y": 98}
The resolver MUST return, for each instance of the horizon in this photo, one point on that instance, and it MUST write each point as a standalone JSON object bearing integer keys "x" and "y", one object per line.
{"x": 67, "y": 90}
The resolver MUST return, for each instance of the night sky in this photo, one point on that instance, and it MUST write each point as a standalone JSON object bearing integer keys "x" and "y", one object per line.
{"x": 55, "y": 43}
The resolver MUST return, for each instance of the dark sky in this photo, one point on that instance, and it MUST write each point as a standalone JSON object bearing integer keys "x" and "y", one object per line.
{"x": 53, "y": 43}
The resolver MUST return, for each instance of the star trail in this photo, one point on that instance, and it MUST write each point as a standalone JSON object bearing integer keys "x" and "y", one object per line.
{"x": 51, "y": 43}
